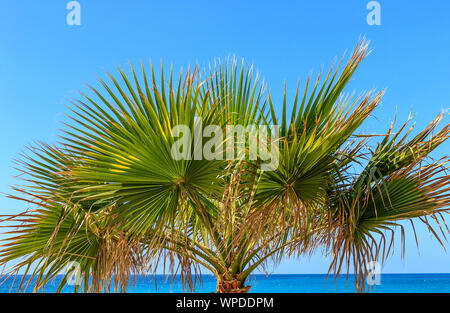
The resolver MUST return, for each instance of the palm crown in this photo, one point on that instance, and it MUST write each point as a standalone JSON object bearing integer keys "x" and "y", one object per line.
{"x": 112, "y": 197}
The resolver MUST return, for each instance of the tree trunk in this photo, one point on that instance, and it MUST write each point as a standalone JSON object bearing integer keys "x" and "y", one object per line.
{"x": 231, "y": 286}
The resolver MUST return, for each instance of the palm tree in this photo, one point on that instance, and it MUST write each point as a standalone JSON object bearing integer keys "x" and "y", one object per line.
{"x": 112, "y": 197}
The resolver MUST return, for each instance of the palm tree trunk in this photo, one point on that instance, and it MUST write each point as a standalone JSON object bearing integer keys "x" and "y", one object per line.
{"x": 231, "y": 285}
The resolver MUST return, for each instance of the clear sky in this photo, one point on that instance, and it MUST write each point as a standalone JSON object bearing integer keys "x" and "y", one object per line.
{"x": 44, "y": 61}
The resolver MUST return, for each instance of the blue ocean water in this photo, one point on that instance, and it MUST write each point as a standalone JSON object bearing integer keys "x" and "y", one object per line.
{"x": 304, "y": 283}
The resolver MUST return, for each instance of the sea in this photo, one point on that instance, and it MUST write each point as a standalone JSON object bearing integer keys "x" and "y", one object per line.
{"x": 275, "y": 283}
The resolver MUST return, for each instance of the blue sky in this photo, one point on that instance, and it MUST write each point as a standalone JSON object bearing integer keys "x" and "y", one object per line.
{"x": 43, "y": 62}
